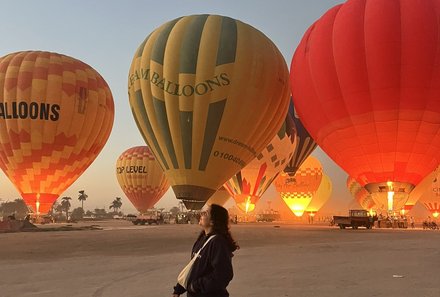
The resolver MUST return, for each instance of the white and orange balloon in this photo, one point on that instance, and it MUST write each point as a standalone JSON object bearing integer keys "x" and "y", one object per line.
{"x": 249, "y": 184}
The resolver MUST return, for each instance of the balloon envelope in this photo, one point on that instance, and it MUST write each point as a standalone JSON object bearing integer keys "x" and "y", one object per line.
{"x": 360, "y": 194}
{"x": 220, "y": 197}
{"x": 297, "y": 191}
{"x": 364, "y": 79}
{"x": 321, "y": 196}
{"x": 140, "y": 177}
{"x": 305, "y": 144}
{"x": 56, "y": 114}
{"x": 192, "y": 85}
{"x": 249, "y": 184}
{"x": 431, "y": 198}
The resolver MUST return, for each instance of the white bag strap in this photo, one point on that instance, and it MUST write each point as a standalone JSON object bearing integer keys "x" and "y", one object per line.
{"x": 206, "y": 242}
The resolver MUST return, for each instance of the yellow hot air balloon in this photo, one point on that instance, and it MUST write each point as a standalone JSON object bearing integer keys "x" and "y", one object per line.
{"x": 297, "y": 191}
{"x": 56, "y": 114}
{"x": 322, "y": 195}
{"x": 207, "y": 93}
{"x": 140, "y": 177}
{"x": 220, "y": 197}
{"x": 248, "y": 185}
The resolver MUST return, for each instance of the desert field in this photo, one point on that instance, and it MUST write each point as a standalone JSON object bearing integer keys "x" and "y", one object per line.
{"x": 275, "y": 260}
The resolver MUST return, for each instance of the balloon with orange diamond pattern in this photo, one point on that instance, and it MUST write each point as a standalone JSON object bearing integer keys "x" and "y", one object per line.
{"x": 140, "y": 177}
{"x": 56, "y": 114}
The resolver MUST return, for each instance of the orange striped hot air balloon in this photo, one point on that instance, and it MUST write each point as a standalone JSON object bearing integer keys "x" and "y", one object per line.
{"x": 56, "y": 114}
{"x": 360, "y": 194}
{"x": 208, "y": 93}
{"x": 249, "y": 184}
{"x": 297, "y": 191}
{"x": 140, "y": 177}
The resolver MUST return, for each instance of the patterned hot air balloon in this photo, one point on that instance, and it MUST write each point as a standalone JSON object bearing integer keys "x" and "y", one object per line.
{"x": 208, "y": 93}
{"x": 364, "y": 79}
{"x": 141, "y": 178}
{"x": 431, "y": 198}
{"x": 360, "y": 194}
{"x": 56, "y": 114}
{"x": 220, "y": 197}
{"x": 248, "y": 185}
{"x": 297, "y": 191}
{"x": 321, "y": 196}
{"x": 305, "y": 145}
{"x": 424, "y": 186}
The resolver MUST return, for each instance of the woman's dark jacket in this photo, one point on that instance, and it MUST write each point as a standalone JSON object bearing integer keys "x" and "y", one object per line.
{"x": 212, "y": 271}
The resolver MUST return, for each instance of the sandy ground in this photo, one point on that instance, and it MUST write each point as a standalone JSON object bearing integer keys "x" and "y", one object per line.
{"x": 135, "y": 261}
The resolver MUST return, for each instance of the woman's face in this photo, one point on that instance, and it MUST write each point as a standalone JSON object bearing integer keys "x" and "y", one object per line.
{"x": 205, "y": 218}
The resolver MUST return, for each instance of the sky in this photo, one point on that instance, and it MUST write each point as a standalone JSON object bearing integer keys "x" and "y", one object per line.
{"x": 105, "y": 35}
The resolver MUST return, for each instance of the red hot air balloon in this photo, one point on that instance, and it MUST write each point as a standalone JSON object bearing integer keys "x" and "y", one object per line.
{"x": 364, "y": 79}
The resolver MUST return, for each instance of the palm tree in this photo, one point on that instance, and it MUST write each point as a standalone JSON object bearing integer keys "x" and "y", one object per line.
{"x": 116, "y": 204}
{"x": 65, "y": 203}
{"x": 82, "y": 197}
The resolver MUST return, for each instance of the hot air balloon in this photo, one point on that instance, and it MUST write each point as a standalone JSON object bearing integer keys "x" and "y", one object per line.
{"x": 431, "y": 198}
{"x": 424, "y": 186}
{"x": 321, "y": 196}
{"x": 305, "y": 145}
{"x": 192, "y": 84}
{"x": 141, "y": 178}
{"x": 297, "y": 191}
{"x": 364, "y": 79}
{"x": 220, "y": 197}
{"x": 360, "y": 194}
{"x": 248, "y": 185}
{"x": 56, "y": 114}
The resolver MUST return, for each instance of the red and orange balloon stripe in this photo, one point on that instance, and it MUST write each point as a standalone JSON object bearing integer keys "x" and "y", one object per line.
{"x": 56, "y": 114}
{"x": 140, "y": 177}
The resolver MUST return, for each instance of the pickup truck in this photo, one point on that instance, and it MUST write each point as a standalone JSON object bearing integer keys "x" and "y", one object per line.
{"x": 356, "y": 218}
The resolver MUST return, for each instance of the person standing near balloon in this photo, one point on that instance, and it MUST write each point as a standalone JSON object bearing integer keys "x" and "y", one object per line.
{"x": 212, "y": 270}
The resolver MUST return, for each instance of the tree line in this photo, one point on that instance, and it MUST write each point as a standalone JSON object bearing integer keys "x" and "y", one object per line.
{"x": 61, "y": 210}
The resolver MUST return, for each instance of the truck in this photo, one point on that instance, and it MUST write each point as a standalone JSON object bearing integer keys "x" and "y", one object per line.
{"x": 149, "y": 217}
{"x": 357, "y": 218}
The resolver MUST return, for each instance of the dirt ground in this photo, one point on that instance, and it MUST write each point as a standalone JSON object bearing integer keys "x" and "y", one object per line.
{"x": 292, "y": 260}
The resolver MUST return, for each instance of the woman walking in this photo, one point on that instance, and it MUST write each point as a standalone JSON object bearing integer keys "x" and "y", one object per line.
{"x": 212, "y": 270}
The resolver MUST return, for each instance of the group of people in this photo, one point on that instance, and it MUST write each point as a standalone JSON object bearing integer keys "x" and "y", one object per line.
{"x": 404, "y": 222}
{"x": 430, "y": 224}
{"x": 395, "y": 221}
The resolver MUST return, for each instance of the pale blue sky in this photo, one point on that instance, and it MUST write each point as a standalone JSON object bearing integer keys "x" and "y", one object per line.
{"x": 105, "y": 35}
